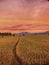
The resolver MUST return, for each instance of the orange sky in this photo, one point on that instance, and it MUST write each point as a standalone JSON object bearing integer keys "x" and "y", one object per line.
{"x": 24, "y": 15}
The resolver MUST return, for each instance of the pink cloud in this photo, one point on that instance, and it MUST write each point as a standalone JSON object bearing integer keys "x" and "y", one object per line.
{"x": 24, "y": 9}
{"x": 25, "y": 27}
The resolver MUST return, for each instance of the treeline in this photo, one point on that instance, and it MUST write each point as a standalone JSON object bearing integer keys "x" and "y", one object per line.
{"x": 6, "y": 34}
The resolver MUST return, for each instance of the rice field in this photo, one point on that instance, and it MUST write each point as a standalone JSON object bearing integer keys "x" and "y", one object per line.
{"x": 34, "y": 50}
{"x": 24, "y": 50}
{"x": 7, "y": 44}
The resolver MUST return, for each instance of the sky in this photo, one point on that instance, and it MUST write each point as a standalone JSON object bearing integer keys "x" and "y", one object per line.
{"x": 24, "y": 15}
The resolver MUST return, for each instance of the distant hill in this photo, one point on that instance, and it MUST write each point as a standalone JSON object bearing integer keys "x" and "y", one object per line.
{"x": 46, "y": 32}
{"x": 26, "y": 33}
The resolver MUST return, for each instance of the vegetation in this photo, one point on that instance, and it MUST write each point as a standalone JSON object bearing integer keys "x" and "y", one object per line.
{"x": 7, "y": 44}
{"x": 24, "y": 50}
{"x": 6, "y": 34}
{"x": 34, "y": 49}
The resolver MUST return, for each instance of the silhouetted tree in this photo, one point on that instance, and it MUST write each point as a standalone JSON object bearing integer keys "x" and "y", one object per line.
{"x": 5, "y": 34}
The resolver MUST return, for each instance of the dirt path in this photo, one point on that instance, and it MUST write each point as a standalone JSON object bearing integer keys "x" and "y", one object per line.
{"x": 17, "y": 59}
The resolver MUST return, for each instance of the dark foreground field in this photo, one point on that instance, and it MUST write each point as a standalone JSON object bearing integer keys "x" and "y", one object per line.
{"x": 24, "y": 50}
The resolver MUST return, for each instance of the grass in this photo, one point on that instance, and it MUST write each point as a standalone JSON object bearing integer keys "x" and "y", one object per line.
{"x": 34, "y": 49}
{"x": 7, "y": 44}
{"x": 30, "y": 50}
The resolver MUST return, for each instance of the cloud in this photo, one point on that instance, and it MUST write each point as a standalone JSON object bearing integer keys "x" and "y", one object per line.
{"x": 19, "y": 9}
{"x": 27, "y": 10}
{"x": 25, "y": 27}
{"x": 2, "y": 0}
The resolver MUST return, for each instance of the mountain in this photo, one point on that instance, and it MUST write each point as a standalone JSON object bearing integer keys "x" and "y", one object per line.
{"x": 27, "y": 33}
{"x": 46, "y": 32}
{"x": 24, "y": 33}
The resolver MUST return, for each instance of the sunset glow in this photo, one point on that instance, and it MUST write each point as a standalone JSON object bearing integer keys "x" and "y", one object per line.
{"x": 24, "y": 15}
